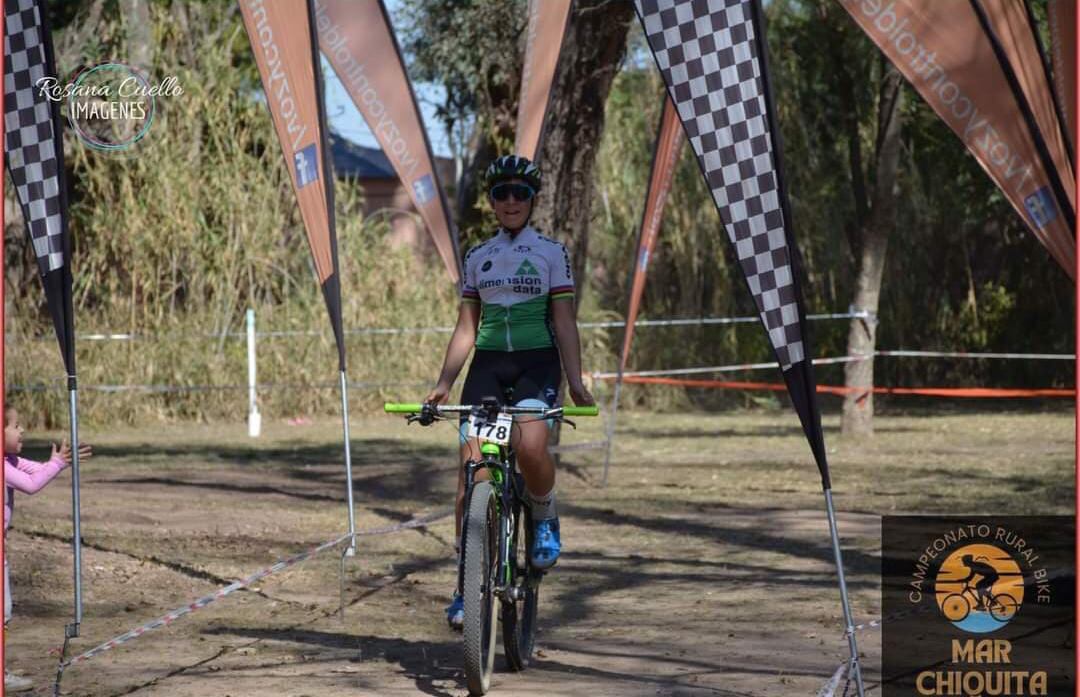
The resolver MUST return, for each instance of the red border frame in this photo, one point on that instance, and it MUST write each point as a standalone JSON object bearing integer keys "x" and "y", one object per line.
{"x": 3, "y": 375}
{"x": 1076, "y": 277}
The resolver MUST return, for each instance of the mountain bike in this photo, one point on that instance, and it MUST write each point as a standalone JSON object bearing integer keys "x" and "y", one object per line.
{"x": 496, "y": 535}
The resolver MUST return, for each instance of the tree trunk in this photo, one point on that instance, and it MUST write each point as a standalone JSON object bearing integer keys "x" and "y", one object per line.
{"x": 592, "y": 51}
{"x": 858, "y": 419}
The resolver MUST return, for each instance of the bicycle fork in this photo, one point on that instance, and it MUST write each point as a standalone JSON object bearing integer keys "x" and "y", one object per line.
{"x": 496, "y": 477}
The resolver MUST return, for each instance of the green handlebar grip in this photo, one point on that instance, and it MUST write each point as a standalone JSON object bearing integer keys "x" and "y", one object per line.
{"x": 581, "y": 411}
{"x": 391, "y": 408}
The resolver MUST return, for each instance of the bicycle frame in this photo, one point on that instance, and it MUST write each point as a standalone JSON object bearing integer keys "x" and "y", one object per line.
{"x": 499, "y": 462}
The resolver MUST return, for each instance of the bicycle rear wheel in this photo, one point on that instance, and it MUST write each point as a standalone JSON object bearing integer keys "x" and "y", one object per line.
{"x": 519, "y": 617}
{"x": 481, "y": 555}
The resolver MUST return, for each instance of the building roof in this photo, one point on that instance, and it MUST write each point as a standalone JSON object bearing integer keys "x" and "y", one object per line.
{"x": 355, "y": 161}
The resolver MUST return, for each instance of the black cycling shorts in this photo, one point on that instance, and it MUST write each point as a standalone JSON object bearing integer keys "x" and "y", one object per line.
{"x": 531, "y": 374}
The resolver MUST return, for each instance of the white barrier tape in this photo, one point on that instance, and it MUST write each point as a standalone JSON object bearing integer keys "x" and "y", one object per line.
{"x": 421, "y": 522}
{"x": 588, "y": 445}
{"x": 900, "y": 353}
{"x": 202, "y": 602}
{"x": 723, "y": 368}
{"x": 829, "y": 688}
{"x": 712, "y": 320}
{"x": 171, "y": 389}
{"x": 442, "y": 330}
{"x": 965, "y": 354}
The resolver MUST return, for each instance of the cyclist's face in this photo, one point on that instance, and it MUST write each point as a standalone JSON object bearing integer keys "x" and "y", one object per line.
{"x": 512, "y": 213}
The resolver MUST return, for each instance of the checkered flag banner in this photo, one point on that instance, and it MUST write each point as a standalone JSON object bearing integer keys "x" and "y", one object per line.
{"x": 29, "y": 133}
{"x": 33, "y": 153}
{"x": 712, "y": 57}
{"x": 706, "y": 51}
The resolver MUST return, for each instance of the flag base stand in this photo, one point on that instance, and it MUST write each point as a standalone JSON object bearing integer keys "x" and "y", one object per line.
{"x": 349, "y": 551}
{"x": 254, "y": 424}
{"x": 849, "y": 630}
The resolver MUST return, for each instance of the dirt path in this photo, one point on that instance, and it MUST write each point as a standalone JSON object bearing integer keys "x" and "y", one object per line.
{"x": 704, "y": 569}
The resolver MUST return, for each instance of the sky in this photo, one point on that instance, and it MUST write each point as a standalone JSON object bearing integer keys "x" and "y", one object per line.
{"x": 346, "y": 120}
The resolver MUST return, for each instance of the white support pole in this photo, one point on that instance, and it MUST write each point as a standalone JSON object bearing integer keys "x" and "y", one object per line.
{"x": 72, "y": 629}
{"x": 853, "y": 648}
{"x": 351, "y": 549}
{"x": 611, "y": 424}
{"x": 254, "y": 417}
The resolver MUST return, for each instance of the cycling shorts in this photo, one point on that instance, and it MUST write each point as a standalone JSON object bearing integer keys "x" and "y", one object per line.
{"x": 532, "y": 374}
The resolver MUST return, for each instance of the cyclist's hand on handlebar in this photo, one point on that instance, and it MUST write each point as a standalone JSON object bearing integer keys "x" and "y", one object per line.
{"x": 581, "y": 395}
{"x": 439, "y": 395}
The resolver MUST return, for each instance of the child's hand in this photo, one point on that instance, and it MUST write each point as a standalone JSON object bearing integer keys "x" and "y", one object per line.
{"x": 64, "y": 451}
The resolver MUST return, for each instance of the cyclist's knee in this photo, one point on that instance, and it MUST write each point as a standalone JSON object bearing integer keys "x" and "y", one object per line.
{"x": 537, "y": 403}
{"x": 532, "y": 450}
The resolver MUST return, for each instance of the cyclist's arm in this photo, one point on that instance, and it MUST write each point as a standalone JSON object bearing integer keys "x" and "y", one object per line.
{"x": 566, "y": 335}
{"x": 461, "y": 343}
{"x": 971, "y": 575}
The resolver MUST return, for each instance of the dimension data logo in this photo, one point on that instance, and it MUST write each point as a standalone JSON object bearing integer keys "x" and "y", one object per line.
{"x": 976, "y": 606}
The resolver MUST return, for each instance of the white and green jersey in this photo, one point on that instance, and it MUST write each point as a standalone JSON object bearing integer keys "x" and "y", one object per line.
{"x": 515, "y": 279}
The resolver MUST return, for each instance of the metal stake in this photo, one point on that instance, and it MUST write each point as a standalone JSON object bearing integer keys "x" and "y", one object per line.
{"x": 850, "y": 630}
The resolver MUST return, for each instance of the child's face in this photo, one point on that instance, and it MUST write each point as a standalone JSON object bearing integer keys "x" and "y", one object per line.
{"x": 13, "y": 433}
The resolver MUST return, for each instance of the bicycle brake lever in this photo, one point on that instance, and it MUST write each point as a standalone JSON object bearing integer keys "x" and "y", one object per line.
{"x": 568, "y": 421}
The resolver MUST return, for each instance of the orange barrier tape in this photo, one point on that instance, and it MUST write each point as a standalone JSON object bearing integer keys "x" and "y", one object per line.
{"x": 963, "y": 392}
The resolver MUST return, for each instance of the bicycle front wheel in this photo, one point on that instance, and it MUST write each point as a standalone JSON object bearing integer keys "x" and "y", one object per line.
{"x": 1003, "y": 607}
{"x": 481, "y": 562}
{"x": 519, "y": 617}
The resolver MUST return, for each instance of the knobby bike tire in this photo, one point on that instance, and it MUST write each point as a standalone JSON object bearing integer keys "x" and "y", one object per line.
{"x": 481, "y": 549}
{"x": 519, "y": 618}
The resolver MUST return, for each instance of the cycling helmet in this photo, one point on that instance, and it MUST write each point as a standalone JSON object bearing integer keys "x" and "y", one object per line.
{"x": 513, "y": 167}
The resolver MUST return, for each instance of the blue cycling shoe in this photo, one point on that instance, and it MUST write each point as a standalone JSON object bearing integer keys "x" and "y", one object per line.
{"x": 455, "y": 613}
{"x": 546, "y": 545}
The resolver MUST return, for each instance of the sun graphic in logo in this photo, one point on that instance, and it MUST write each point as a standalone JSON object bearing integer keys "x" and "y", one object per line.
{"x": 979, "y": 588}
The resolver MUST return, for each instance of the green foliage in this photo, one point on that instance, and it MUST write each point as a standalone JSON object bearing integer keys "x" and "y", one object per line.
{"x": 175, "y": 242}
{"x": 959, "y": 273}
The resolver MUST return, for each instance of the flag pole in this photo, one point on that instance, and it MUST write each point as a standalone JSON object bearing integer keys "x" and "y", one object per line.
{"x": 636, "y": 267}
{"x": 611, "y": 421}
{"x": 351, "y": 549}
{"x": 72, "y": 630}
{"x": 849, "y": 624}
{"x": 776, "y": 134}
{"x": 333, "y": 292}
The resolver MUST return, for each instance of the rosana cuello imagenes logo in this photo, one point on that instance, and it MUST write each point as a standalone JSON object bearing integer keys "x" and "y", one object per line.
{"x": 110, "y": 106}
{"x": 980, "y": 606}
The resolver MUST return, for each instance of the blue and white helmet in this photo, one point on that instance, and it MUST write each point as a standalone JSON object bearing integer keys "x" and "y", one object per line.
{"x": 513, "y": 167}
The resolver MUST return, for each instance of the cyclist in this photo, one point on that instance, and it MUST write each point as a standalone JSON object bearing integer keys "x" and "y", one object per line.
{"x": 988, "y": 577}
{"x": 517, "y": 310}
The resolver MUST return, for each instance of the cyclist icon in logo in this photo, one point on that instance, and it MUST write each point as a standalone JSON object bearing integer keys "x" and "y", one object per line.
{"x": 979, "y": 588}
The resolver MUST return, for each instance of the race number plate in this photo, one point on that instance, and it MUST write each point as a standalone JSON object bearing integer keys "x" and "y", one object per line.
{"x": 497, "y": 431}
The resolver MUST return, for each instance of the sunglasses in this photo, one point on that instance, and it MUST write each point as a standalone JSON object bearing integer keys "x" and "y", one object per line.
{"x": 520, "y": 192}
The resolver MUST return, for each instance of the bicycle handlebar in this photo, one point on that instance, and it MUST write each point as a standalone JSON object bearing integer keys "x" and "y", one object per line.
{"x": 407, "y": 408}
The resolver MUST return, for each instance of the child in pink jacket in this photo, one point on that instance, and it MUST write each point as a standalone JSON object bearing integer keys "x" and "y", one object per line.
{"x": 29, "y": 477}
